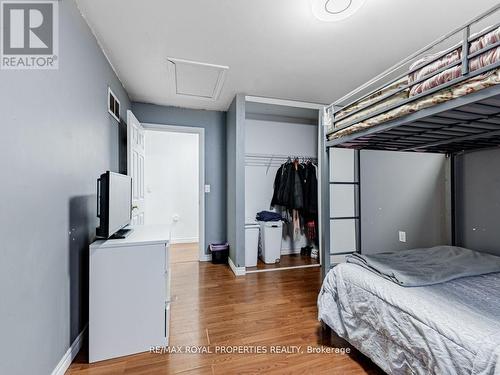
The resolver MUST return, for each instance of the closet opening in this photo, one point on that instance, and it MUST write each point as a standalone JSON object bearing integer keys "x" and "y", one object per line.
{"x": 174, "y": 187}
{"x": 281, "y": 185}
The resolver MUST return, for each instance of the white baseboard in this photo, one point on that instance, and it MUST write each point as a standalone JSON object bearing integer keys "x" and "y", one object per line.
{"x": 290, "y": 251}
{"x": 70, "y": 354}
{"x": 185, "y": 240}
{"x": 238, "y": 271}
{"x": 206, "y": 258}
{"x": 285, "y": 268}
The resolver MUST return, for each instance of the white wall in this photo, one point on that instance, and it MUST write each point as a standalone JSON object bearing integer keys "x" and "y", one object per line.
{"x": 172, "y": 182}
{"x": 266, "y": 137}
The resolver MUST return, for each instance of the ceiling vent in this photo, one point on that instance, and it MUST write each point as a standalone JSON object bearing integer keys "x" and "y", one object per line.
{"x": 197, "y": 80}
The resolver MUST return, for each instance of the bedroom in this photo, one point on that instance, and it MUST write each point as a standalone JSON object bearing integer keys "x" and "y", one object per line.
{"x": 406, "y": 160}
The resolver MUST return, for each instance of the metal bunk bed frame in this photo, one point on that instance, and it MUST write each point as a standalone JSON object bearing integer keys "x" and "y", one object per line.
{"x": 465, "y": 123}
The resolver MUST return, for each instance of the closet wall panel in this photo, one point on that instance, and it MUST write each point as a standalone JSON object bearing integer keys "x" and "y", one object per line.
{"x": 235, "y": 140}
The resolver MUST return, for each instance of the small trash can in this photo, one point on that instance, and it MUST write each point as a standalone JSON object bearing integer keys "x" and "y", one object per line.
{"x": 220, "y": 252}
{"x": 252, "y": 230}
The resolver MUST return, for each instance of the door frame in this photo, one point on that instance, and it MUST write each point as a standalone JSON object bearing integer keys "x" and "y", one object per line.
{"x": 322, "y": 167}
{"x": 202, "y": 256}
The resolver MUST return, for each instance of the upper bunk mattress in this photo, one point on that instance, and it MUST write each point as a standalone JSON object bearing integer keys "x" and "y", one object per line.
{"x": 469, "y": 86}
{"x": 487, "y": 58}
{"x": 422, "y": 85}
{"x": 448, "y": 328}
{"x": 367, "y": 103}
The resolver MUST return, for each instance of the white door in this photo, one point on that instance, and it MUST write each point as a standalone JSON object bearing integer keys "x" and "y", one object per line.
{"x": 136, "y": 152}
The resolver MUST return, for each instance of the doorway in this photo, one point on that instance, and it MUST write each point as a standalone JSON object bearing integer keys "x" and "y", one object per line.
{"x": 291, "y": 145}
{"x": 174, "y": 187}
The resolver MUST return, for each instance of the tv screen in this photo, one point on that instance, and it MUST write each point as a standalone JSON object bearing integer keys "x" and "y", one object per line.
{"x": 114, "y": 203}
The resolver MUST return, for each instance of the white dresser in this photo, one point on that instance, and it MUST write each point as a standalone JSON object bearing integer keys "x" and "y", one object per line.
{"x": 129, "y": 293}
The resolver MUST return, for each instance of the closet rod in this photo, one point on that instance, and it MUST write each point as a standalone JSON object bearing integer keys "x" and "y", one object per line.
{"x": 274, "y": 160}
{"x": 279, "y": 157}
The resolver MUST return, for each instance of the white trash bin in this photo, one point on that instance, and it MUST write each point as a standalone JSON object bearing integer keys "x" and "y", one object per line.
{"x": 270, "y": 241}
{"x": 252, "y": 229}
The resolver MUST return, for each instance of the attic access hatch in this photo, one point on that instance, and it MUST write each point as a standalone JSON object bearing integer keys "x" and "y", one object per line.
{"x": 196, "y": 79}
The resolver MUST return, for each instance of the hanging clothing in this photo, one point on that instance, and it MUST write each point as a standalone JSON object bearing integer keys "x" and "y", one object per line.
{"x": 276, "y": 201}
{"x": 295, "y": 195}
{"x": 311, "y": 230}
{"x": 310, "y": 190}
{"x": 283, "y": 189}
{"x": 296, "y": 225}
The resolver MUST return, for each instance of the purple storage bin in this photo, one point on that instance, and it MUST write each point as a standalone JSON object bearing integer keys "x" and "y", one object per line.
{"x": 220, "y": 252}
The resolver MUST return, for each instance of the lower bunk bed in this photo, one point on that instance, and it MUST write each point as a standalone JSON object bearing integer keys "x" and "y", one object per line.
{"x": 424, "y": 311}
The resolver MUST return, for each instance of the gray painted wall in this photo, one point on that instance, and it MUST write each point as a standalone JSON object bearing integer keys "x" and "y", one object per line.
{"x": 214, "y": 123}
{"x": 57, "y": 138}
{"x": 235, "y": 140}
{"x": 478, "y": 200}
{"x": 403, "y": 191}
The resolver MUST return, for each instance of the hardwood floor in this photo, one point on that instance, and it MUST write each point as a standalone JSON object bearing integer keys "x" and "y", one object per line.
{"x": 292, "y": 260}
{"x": 184, "y": 252}
{"x": 212, "y": 308}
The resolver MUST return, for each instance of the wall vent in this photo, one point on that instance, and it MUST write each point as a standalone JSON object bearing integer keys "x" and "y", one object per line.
{"x": 113, "y": 105}
{"x": 196, "y": 79}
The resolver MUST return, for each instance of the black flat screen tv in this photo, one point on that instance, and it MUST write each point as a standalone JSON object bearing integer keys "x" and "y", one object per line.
{"x": 114, "y": 204}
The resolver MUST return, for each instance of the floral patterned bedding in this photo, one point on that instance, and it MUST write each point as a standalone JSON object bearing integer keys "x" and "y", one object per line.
{"x": 371, "y": 99}
{"x": 472, "y": 85}
{"x": 467, "y": 87}
{"x": 489, "y": 57}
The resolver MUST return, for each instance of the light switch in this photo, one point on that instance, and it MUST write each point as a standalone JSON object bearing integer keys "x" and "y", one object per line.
{"x": 207, "y": 188}
{"x": 402, "y": 236}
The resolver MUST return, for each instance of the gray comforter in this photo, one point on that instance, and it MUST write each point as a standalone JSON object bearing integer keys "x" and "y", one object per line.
{"x": 447, "y": 328}
{"x": 419, "y": 267}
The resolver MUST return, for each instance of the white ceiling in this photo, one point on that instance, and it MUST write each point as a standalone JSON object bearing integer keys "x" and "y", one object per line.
{"x": 274, "y": 48}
